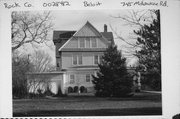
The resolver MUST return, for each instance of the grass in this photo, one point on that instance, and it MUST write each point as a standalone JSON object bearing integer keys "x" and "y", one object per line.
{"x": 139, "y": 104}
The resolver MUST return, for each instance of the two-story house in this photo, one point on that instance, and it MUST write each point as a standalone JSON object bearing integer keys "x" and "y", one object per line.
{"x": 78, "y": 54}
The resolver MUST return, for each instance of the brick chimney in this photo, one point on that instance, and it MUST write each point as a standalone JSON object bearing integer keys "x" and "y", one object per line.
{"x": 105, "y": 28}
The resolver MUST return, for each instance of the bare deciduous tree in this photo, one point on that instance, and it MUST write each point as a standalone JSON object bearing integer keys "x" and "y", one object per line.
{"x": 134, "y": 19}
{"x": 145, "y": 43}
{"x": 20, "y": 66}
{"x": 28, "y": 27}
{"x": 38, "y": 84}
{"x": 41, "y": 61}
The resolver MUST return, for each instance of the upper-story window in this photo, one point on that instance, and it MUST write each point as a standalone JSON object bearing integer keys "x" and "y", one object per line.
{"x": 100, "y": 59}
{"x": 93, "y": 43}
{"x": 88, "y": 42}
{"x": 82, "y": 43}
{"x": 96, "y": 59}
{"x": 77, "y": 60}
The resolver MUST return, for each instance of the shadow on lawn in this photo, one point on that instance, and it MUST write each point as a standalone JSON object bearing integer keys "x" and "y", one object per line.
{"x": 140, "y": 97}
{"x": 136, "y": 97}
{"x": 99, "y": 112}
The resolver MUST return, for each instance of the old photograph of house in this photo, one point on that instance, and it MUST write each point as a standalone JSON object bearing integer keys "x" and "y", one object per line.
{"x": 86, "y": 63}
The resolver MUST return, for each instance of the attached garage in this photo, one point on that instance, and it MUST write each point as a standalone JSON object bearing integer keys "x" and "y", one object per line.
{"x": 40, "y": 82}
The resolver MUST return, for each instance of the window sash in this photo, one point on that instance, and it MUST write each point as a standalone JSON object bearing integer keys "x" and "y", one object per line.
{"x": 72, "y": 78}
{"x": 96, "y": 59}
{"x": 75, "y": 59}
{"x": 93, "y": 43}
{"x": 80, "y": 59}
{"x": 88, "y": 77}
{"x": 82, "y": 43}
{"x": 100, "y": 59}
{"x": 88, "y": 42}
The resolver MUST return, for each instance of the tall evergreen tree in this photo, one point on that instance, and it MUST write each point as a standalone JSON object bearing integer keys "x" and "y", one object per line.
{"x": 112, "y": 78}
{"x": 150, "y": 54}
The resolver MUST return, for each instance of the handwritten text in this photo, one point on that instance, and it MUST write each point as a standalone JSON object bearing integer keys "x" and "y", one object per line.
{"x": 17, "y": 5}
{"x": 144, "y": 3}
{"x": 56, "y": 4}
{"x": 91, "y": 4}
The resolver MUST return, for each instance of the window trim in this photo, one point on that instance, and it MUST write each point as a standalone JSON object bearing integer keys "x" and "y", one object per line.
{"x": 96, "y": 43}
{"x": 85, "y": 42}
{"x": 89, "y": 42}
{"x": 89, "y": 78}
{"x": 83, "y": 39}
{"x": 73, "y": 60}
{"x": 79, "y": 60}
{"x": 98, "y": 59}
{"x": 71, "y": 79}
{"x": 77, "y": 56}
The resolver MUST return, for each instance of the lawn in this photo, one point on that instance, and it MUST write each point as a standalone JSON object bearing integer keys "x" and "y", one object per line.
{"x": 139, "y": 104}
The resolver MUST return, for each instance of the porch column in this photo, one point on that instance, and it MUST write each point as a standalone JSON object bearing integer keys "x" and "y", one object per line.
{"x": 63, "y": 83}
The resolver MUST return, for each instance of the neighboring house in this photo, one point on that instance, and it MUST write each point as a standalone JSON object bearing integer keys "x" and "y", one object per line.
{"x": 78, "y": 54}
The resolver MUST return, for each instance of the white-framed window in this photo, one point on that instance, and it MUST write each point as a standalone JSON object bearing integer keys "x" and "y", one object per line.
{"x": 82, "y": 43}
{"x": 88, "y": 77}
{"x": 75, "y": 59}
{"x": 100, "y": 59}
{"x": 71, "y": 78}
{"x": 88, "y": 42}
{"x": 93, "y": 42}
{"x": 80, "y": 61}
{"x": 96, "y": 58}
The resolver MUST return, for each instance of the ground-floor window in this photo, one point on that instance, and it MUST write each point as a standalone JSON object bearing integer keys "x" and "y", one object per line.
{"x": 88, "y": 77}
{"x": 72, "y": 79}
{"x": 76, "y": 88}
{"x": 83, "y": 89}
{"x": 70, "y": 90}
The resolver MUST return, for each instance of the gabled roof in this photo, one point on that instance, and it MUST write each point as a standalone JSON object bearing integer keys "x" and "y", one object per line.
{"x": 64, "y": 36}
{"x": 90, "y": 26}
